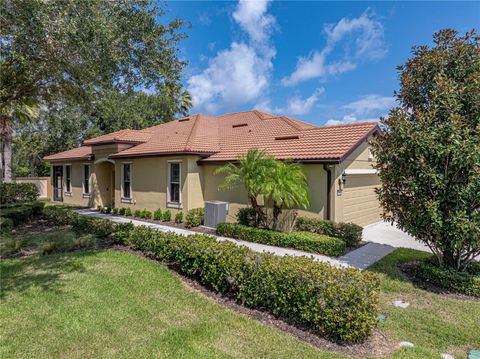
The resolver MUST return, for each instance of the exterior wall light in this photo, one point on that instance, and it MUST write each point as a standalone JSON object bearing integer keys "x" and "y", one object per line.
{"x": 344, "y": 177}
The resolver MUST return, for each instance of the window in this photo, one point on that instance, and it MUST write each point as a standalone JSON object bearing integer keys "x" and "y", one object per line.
{"x": 68, "y": 178}
{"x": 126, "y": 180}
{"x": 174, "y": 183}
{"x": 86, "y": 179}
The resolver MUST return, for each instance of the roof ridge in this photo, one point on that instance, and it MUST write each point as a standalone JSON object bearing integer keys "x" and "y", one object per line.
{"x": 289, "y": 122}
{"x": 192, "y": 132}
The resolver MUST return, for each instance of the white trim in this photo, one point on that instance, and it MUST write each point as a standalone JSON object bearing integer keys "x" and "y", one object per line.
{"x": 171, "y": 204}
{"x": 126, "y": 199}
{"x": 366, "y": 171}
{"x": 65, "y": 192}
{"x": 84, "y": 194}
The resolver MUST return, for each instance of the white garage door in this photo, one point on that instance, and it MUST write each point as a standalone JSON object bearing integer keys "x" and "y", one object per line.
{"x": 360, "y": 204}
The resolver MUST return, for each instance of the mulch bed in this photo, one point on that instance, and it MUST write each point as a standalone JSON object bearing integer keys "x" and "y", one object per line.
{"x": 409, "y": 269}
{"x": 377, "y": 345}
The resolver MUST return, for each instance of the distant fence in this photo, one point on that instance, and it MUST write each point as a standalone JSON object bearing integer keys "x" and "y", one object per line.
{"x": 44, "y": 184}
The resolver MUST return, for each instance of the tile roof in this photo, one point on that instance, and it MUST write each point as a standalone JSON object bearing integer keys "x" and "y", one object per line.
{"x": 226, "y": 137}
{"x": 79, "y": 153}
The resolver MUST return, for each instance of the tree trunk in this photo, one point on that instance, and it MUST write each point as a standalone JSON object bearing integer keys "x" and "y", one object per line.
{"x": 277, "y": 210}
{"x": 7, "y": 150}
{"x": 258, "y": 210}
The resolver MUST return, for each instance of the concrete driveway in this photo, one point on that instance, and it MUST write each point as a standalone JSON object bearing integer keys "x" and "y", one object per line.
{"x": 385, "y": 233}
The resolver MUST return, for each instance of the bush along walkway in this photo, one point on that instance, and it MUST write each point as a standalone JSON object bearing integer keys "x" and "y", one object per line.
{"x": 360, "y": 258}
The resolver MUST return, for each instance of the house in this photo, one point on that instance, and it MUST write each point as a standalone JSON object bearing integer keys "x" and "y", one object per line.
{"x": 172, "y": 165}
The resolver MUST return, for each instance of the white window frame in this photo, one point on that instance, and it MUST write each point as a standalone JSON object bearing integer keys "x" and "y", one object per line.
{"x": 122, "y": 198}
{"x": 171, "y": 204}
{"x": 65, "y": 192}
{"x": 85, "y": 194}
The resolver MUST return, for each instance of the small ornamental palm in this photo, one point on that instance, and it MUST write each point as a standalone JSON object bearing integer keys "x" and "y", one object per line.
{"x": 287, "y": 188}
{"x": 253, "y": 173}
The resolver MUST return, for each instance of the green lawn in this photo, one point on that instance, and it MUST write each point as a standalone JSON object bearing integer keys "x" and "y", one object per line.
{"x": 112, "y": 304}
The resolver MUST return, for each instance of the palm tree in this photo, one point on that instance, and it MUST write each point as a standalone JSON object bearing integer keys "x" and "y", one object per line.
{"x": 253, "y": 172}
{"x": 287, "y": 189}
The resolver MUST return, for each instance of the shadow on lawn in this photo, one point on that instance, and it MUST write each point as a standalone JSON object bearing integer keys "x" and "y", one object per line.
{"x": 45, "y": 273}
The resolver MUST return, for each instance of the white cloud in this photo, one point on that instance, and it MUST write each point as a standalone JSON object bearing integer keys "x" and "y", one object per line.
{"x": 235, "y": 76}
{"x": 346, "y": 120}
{"x": 299, "y": 106}
{"x": 239, "y": 74}
{"x": 370, "y": 103}
{"x": 363, "y": 38}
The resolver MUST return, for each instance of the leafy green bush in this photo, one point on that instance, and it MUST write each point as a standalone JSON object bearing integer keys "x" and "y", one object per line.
{"x": 115, "y": 210}
{"x": 138, "y": 213}
{"x": 349, "y": 232}
{"x": 340, "y": 303}
{"x": 306, "y": 241}
{"x": 121, "y": 211}
{"x": 146, "y": 214}
{"x": 19, "y": 213}
{"x": 194, "y": 217}
{"x": 158, "y": 215}
{"x": 247, "y": 216}
{"x": 128, "y": 212}
{"x": 179, "y": 217}
{"x": 105, "y": 210}
{"x": 467, "y": 282}
{"x": 167, "y": 216}
{"x": 6, "y": 225}
{"x": 18, "y": 192}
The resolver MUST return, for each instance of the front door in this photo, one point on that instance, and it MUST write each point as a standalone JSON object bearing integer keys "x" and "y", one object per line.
{"x": 58, "y": 183}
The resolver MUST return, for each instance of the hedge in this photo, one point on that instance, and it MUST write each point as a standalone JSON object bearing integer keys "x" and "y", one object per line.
{"x": 340, "y": 303}
{"x": 348, "y": 232}
{"x": 18, "y": 192}
{"x": 467, "y": 282}
{"x": 21, "y": 212}
{"x": 306, "y": 241}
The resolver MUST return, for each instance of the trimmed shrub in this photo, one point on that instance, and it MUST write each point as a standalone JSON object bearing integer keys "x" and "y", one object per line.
{"x": 115, "y": 210}
{"x": 194, "y": 217}
{"x": 128, "y": 212}
{"x": 138, "y": 213}
{"x": 6, "y": 225}
{"x": 340, "y": 303}
{"x": 105, "y": 210}
{"x": 306, "y": 241}
{"x": 121, "y": 211}
{"x": 21, "y": 212}
{"x": 247, "y": 216}
{"x": 18, "y": 192}
{"x": 348, "y": 232}
{"x": 467, "y": 282}
{"x": 158, "y": 215}
{"x": 167, "y": 216}
{"x": 179, "y": 217}
{"x": 146, "y": 214}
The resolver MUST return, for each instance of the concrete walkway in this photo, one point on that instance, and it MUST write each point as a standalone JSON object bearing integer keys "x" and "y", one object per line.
{"x": 385, "y": 233}
{"x": 360, "y": 258}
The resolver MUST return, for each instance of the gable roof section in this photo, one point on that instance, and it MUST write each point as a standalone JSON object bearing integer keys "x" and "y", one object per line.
{"x": 225, "y": 138}
{"x": 79, "y": 153}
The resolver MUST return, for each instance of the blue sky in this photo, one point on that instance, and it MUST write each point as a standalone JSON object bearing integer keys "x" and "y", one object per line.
{"x": 321, "y": 62}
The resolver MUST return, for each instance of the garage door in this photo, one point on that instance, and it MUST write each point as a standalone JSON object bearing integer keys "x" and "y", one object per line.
{"x": 360, "y": 204}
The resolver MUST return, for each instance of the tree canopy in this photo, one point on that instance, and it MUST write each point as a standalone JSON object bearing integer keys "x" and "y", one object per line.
{"x": 92, "y": 54}
{"x": 429, "y": 154}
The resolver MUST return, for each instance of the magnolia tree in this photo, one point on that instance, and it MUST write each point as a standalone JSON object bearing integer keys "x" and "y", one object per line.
{"x": 428, "y": 156}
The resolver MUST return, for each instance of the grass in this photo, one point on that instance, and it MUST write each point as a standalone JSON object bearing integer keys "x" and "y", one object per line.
{"x": 43, "y": 240}
{"x": 435, "y": 323}
{"x": 112, "y": 304}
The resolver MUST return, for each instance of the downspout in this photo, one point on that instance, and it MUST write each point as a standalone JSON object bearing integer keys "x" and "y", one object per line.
{"x": 329, "y": 194}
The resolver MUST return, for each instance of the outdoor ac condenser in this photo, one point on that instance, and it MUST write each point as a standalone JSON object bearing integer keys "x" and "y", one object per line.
{"x": 215, "y": 213}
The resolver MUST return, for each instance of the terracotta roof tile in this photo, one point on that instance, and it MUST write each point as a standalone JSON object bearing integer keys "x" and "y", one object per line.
{"x": 226, "y": 137}
{"x": 79, "y": 153}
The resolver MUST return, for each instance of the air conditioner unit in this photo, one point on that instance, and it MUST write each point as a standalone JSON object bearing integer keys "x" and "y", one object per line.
{"x": 215, "y": 213}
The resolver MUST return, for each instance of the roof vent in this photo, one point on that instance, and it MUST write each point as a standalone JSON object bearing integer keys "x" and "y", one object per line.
{"x": 240, "y": 125}
{"x": 184, "y": 119}
{"x": 281, "y": 138}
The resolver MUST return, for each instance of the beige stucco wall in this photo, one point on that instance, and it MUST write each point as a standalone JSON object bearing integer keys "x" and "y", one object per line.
{"x": 149, "y": 177}
{"x": 75, "y": 197}
{"x": 358, "y": 159}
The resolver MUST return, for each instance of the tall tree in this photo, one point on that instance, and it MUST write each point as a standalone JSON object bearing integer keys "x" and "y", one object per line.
{"x": 429, "y": 154}
{"x": 74, "y": 50}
